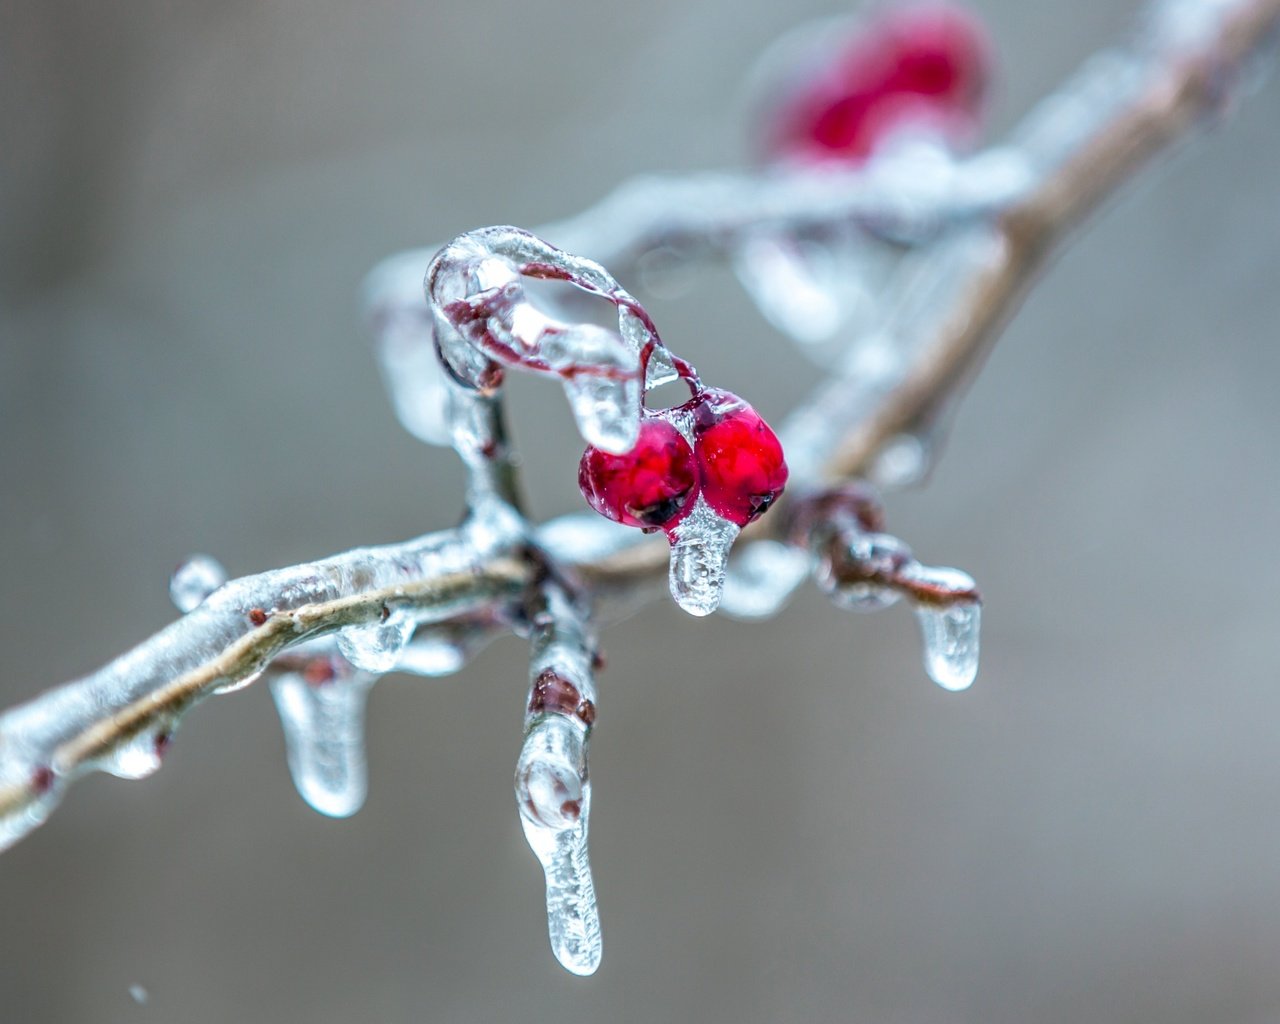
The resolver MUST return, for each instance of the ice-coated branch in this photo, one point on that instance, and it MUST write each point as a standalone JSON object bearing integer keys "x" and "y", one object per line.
{"x": 121, "y": 718}
{"x": 950, "y": 243}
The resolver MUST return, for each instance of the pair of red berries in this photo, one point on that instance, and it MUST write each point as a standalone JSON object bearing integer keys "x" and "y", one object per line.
{"x": 735, "y": 463}
{"x": 926, "y": 65}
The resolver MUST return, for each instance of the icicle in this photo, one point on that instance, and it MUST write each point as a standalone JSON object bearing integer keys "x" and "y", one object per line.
{"x": 951, "y": 643}
{"x": 194, "y": 580}
{"x": 950, "y": 629}
{"x": 606, "y": 409}
{"x": 700, "y": 546}
{"x": 324, "y": 736}
{"x": 376, "y": 648}
{"x": 555, "y": 809}
{"x": 761, "y": 578}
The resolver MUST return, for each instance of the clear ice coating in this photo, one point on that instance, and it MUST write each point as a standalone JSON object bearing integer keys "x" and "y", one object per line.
{"x": 324, "y": 737}
{"x": 18, "y": 820}
{"x": 549, "y": 773}
{"x": 377, "y": 648}
{"x": 483, "y": 317}
{"x": 194, "y": 580}
{"x": 555, "y": 811}
{"x": 700, "y": 546}
{"x": 606, "y": 409}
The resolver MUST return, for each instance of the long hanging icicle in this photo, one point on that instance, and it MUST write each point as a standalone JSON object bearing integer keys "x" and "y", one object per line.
{"x": 553, "y": 787}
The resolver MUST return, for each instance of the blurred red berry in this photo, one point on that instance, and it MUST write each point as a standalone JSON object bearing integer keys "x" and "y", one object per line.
{"x": 926, "y": 66}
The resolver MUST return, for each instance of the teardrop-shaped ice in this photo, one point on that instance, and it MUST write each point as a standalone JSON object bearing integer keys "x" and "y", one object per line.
{"x": 606, "y": 409}
{"x": 377, "y": 647}
{"x": 951, "y": 635}
{"x": 140, "y": 755}
{"x": 573, "y": 918}
{"x": 194, "y": 580}
{"x": 324, "y": 736}
{"x": 700, "y": 546}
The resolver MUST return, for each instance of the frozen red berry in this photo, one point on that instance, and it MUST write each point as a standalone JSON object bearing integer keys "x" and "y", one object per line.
{"x": 926, "y": 65}
{"x": 652, "y": 486}
{"x": 740, "y": 461}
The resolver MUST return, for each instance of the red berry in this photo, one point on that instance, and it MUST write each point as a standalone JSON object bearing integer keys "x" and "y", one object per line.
{"x": 925, "y": 65}
{"x": 740, "y": 461}
{"x": 652, "y": 486}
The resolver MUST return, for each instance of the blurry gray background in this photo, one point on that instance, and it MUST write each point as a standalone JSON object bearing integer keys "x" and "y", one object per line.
{"x": 791, "y": 823}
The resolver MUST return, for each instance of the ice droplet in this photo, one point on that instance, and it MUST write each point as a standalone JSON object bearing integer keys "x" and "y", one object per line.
{"x": 555, "y": 813}
{"x": 951, "y": 634}
{"x": 700, "y": 546}
{"x": 324, "y": 737}
{"x": 140, "y": 755}
{"x": 607, "y": 410}
{"x": 194, "y": 580}
{"x": 377, "y": 647}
